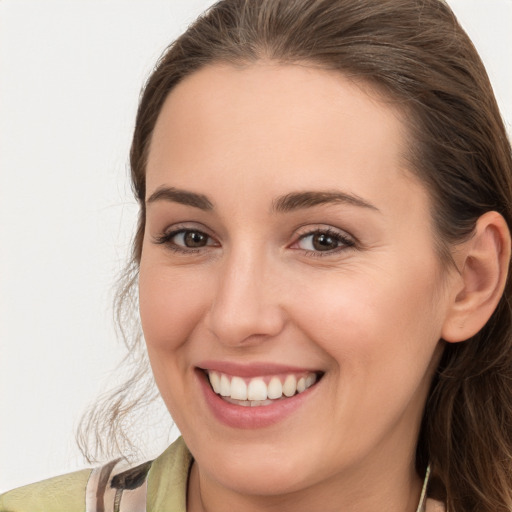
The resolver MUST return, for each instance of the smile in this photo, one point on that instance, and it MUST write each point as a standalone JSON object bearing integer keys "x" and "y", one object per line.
{"x": 257, "y": 395}
{"x": 259, "y": 391}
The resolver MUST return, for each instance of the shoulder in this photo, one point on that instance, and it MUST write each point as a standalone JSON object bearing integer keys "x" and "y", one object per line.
{"x": 92, "y": 490}
{"x": 81, "y": 491}
{"x": 65, "y": 493}
{"x": 163, "y": 482}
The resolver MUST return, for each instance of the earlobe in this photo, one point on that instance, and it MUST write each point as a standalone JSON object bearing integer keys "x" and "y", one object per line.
{"x": 483, "y": 265}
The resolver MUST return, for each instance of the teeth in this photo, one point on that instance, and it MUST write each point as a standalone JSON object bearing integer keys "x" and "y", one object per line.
{"x": 239, "y": 389}
{"x": 215, "y": 382}
{"x": 248, "y": 403}
{"x": 255, "y": 392}
{"x": 225, "y": 386}
{"x": 275, "y": 388}
{"x": 290, "y": 385}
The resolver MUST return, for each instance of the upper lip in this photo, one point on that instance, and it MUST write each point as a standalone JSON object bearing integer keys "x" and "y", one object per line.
{"x": 258, "y": 369}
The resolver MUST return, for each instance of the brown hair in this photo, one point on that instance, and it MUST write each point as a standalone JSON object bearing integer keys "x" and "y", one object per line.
{"x": 417, "y": 53}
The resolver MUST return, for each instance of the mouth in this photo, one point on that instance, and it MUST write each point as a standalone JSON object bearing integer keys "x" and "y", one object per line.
{"x": 261, "y": 390}
{"x": 257, "y": 395}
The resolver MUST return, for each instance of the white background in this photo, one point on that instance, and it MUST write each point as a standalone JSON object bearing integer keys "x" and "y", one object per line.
{"x": 70, "y": 75}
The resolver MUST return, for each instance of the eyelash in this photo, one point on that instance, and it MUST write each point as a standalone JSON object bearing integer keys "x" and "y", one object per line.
{"x": 166, "y": 239}
{"x": 345, "y": 242}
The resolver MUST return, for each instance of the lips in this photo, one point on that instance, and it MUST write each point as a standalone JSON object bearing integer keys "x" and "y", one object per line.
{"x": 255, "y": 396}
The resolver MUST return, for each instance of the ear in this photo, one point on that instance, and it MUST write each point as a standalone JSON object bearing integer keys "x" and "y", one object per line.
{"x": 482, "y": 264}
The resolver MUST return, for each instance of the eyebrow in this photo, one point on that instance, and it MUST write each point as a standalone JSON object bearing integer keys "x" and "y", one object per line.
{"x": 300, "y": 200}
{"x": 287, "y": 203}
{"x": 177, "y": 195}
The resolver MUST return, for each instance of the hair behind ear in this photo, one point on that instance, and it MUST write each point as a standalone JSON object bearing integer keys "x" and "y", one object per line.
{"x": 473, "y": 385}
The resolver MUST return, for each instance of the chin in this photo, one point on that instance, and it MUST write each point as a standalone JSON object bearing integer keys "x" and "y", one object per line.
{"x": 259, "y": 477}
{"x": 257, "y": 468}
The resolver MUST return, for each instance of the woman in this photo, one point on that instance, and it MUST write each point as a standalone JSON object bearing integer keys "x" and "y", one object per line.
{"x": 322, "y": 258}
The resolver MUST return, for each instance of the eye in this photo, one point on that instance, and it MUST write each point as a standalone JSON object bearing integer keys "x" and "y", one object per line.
{"x": 186, "y": 240}
{"x": 323, "y": 240}
{"x": 191, "y": 239}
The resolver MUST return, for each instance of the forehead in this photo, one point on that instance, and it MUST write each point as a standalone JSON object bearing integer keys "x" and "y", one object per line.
{"x": 291, "y": 125}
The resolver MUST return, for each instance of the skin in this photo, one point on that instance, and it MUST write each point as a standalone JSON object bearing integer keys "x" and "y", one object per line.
{"x": 369, "y": 315}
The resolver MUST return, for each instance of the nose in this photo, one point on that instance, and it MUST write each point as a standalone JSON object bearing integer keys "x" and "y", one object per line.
{"x": 246, "y": 308}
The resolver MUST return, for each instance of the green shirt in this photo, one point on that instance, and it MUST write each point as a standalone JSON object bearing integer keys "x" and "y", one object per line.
{"x": 162, "y": 484}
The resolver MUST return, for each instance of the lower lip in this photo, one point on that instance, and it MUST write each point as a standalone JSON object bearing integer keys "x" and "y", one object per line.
{"x": 238, "y": 416}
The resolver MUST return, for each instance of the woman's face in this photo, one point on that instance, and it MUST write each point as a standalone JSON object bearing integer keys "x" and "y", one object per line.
{"x": 288, "y": 245}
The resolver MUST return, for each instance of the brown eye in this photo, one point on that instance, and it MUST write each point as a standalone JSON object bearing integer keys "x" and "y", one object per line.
{"x": 194, "y": 239}
{"x": 186, "y": 240}
{"x": 324, "y": 242}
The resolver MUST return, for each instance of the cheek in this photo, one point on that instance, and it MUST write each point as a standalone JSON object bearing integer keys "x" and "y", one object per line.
{"x": 375, "y": 322}
{"x": 170, "y": 310}
{"x": 170, "y": 306}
